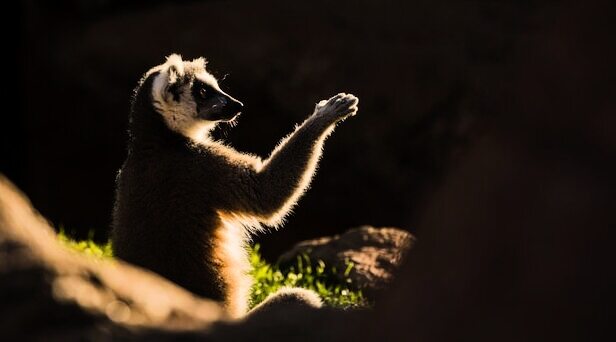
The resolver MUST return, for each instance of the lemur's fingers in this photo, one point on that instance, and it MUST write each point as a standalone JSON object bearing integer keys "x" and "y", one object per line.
{"x": 347, "y": 101}
{"x": 350, "y": 112}
{"x": 340, "y": 106}
{"x": 353, "y": 101}
{"x": 343, "y": 99}
{"x": 338, "y": 97}
{"x": 353, "y": 110}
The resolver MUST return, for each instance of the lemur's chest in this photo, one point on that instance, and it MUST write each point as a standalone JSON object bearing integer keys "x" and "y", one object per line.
{"x": 230, "y": 253}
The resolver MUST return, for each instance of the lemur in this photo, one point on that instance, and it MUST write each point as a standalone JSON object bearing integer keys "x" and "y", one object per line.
{"x": 186, "y": 204}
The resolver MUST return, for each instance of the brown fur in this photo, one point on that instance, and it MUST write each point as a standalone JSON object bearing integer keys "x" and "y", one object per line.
{"x": 186, "y": 204}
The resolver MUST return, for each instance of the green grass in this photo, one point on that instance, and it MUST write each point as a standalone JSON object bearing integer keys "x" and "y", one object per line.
{"x": 304, "y": 273}
{"x": 87, "y": 247}
{"x": 268, "y": 278}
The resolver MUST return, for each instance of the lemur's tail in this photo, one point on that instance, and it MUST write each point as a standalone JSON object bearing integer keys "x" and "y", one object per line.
{"x": 288, "y": 297}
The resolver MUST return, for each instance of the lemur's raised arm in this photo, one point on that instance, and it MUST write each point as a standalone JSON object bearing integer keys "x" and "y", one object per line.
{"x": 271, "y": 188}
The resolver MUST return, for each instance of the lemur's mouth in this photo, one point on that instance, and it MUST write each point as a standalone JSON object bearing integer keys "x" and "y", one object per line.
{"x": 233, "y": 119}
{"x": 222, "y": 116}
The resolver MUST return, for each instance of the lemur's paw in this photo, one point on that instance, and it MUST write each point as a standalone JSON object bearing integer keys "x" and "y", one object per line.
{"x": 338, "y": 107}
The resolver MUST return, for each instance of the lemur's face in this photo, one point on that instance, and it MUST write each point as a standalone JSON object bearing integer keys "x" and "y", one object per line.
{"x": 189, "y": 98}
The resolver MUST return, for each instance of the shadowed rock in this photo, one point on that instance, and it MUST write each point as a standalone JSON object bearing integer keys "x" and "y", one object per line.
{"x": 47, "y": 291}
{"x": 374, "y": 252}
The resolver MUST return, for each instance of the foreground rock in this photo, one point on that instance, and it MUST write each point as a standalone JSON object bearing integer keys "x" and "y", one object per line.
{"x": 47, "y": 291}
{"x": 375, "y": 253}
{"x": 50, "y": 293}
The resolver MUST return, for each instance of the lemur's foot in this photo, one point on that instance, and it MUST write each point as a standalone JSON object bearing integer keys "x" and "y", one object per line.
{"x": 338, "y": 107}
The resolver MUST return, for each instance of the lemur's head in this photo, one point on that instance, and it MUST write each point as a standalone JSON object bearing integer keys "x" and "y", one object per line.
{"x": 189, "y": 98}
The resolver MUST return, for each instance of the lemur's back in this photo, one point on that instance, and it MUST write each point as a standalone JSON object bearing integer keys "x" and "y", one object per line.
{"x": 163, "y": 224}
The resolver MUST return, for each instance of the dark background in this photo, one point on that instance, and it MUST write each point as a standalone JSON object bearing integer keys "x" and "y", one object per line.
{"x": 432, "y": 77}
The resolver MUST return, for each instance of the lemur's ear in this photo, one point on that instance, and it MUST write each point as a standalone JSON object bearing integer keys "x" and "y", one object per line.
{"x": 200, "y": 61}
{"x": 175, "y": 68}
{"x": 175, "y": 75}
{"x": 172, "y": 74}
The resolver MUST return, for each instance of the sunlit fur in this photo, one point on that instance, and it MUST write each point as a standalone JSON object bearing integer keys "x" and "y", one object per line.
{"x": 186, "y": 204}
{"x": 230, "y": 241}
{"x": 181, "y": 116}
{"x": 287, "y": 297}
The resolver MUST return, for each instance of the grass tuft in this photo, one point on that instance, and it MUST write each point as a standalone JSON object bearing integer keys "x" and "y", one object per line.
{"x": 268, "y": 278}
{"x": 87, "y": 247}
{"x": 305, "y": 273}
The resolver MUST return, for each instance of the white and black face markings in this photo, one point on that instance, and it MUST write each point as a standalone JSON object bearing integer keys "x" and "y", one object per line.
{"x": 189, "y": 98}
{"x": 202, "y": 93}
{"x": 213, "y": 104}
{"x": 171, "y": 93}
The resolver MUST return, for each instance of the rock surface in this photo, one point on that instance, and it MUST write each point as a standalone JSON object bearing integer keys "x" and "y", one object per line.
{"x": 375, "y": 253}
{"x": 49, "y": 292}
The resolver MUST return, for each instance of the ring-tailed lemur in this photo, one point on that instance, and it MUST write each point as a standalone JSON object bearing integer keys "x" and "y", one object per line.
{"x": 185, "y": 204}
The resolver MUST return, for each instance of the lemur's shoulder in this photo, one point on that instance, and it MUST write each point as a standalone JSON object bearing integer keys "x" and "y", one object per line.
{"x": 222, "y": 150}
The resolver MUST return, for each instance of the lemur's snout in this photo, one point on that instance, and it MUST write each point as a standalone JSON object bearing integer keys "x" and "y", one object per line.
{"x": 221, "y": 107}
{"x": 231, "y": 108}
{"x": 236, "y": 105}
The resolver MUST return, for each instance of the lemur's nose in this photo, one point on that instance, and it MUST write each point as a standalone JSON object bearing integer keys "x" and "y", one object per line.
{"x": 235, "y": 105}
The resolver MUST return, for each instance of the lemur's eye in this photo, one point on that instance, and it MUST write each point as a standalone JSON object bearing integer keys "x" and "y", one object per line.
{"x": 202, "y": 92}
